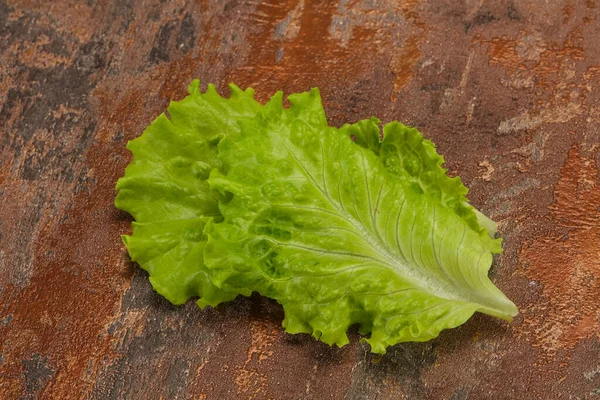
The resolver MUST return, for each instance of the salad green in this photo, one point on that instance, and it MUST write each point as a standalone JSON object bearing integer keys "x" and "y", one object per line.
{"x": 341, "y": 226}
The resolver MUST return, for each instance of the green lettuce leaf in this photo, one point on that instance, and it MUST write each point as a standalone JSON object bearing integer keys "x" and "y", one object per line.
{"x": 165, "y": 190}
{"x": 340, "y": 236}
{"x": 341, "y": 226}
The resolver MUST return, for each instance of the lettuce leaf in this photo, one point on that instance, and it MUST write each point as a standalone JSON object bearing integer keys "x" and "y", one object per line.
{"x": 165, "y": 190}
{"x": 341, "y": 226}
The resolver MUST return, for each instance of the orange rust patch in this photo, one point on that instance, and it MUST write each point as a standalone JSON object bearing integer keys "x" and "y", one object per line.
{"x": 179, "y": 74}
{"x": 567, "y": 12}
{"x": 409, "y": 10}
{"x": 566, "y": 264}
{"x": 277, "y": 63}
{"x": 249, "y": 380}
{"x": 502, "y": 50}
{"x": 529, "y": 53}
{"x": 299, "y": 45}
{"x": 403, "y": 64}
{"x": 123, "y": 115}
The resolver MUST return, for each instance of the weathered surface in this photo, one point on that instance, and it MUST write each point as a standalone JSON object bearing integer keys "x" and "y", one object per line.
{"x": 508, "y": 90}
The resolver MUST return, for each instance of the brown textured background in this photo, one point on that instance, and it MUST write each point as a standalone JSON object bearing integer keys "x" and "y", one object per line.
{"x": 508, "y": 90}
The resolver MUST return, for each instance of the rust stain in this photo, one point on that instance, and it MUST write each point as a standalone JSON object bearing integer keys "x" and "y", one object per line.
{"x": 567, "y": 12}
{"x": 403, "y": 64}
{"x": 405, "y": 58}
{"x": 305, "y": 44}
{"x": 528, "y": 52}
{"x": 409, "y": 10}
{"x": 554, "y": 58}
{"x": 177, "y": 76}
{"x": 566, "y": 264}
{"x": 117, "y": 111}
{"x": 502, "y": 50}
{"x": 304, "y": 58}
{"x": 249, "y": 380}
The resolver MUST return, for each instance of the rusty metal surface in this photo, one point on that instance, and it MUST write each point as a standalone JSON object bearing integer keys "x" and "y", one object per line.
{"x": 508, "y": 90}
